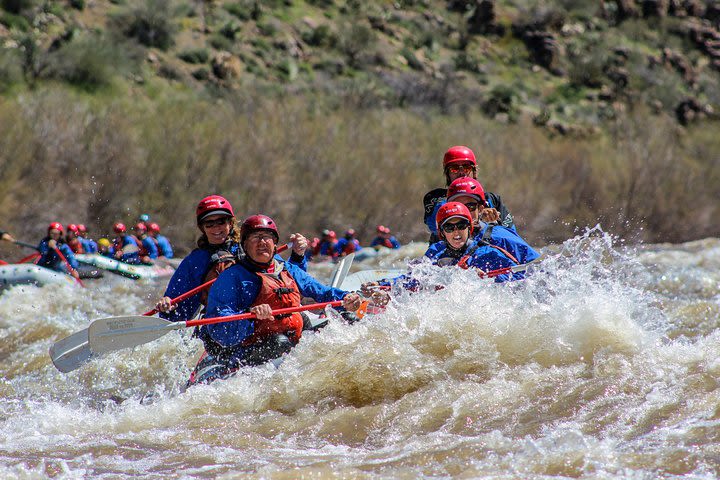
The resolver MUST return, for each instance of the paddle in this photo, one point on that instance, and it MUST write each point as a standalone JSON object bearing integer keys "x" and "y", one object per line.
{"x": 74, "y": 272}
{"x": 24, "y": 244}
{"x": 342, "y": 270}
{"x": 71, "y": 352}
{"x": 116, "y": 333}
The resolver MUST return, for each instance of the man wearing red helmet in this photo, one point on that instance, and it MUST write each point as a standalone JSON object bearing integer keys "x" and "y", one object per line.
{"x": 459, "y": 161}
{"x": 259, "y": 282}
{"x": 55, "y": 254}
{"x": 348, "y": 244}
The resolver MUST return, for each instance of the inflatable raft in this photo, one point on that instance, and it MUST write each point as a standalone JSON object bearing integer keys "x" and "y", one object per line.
{"x": 29, "y": 274}
{"x": 125, "y": 269}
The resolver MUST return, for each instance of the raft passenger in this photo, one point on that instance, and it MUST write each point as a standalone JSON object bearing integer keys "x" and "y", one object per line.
{"x": 459, "y": 161}
{"x": 89, "y": 244}
{"x": 258, "y": 283}
{"x": 384, "y": 238}
{"x": 55, "y": 254}
{"x": 348, "y": 244}
{"x": 163, "y": 244}
{"x": 125, "y": 246}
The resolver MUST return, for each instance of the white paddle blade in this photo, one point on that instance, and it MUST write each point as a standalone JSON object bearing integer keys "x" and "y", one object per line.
{"x": 116, "y": 333}
{"x": 342, "y": 270}
{"x": 71, "y": 352}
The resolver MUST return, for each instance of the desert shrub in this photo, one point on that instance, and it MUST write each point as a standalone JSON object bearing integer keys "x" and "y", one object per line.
{"x": 16, "y": 22}
{"x": 220, "y": 42}
{"x": 196, "y": 55}
{"x": 150, "y": 22}
{"x": 10, "y": 69}
{"x": 321, "y": 36}
{"x": 77, "y": 4}
{"x": 89, "y": 62}
{"x": 355, "y": 40}
{"x": 230, "y": 30}
{"x": 501, "y": 99}
{"x": 243, "y": 10}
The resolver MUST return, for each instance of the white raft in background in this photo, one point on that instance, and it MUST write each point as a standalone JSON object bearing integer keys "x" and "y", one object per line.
{"x": 30, "y": 274}
{"x": 125, "y": 269}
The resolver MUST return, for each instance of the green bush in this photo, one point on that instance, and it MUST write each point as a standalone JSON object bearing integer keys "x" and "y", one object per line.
{"x": 322, "y": 36}
{"x": 15, "y": 22}
{"x": 194, "y": 56}
{"x": 221, "y": 42}
{"x": 355, "y": 40}
{"x": 89, "y": 62}
{"x": 150, "y": 22}
{"x": 242, "y": 10}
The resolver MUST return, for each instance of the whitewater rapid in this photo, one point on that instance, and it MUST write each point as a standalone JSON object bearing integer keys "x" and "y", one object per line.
{"x": 604, "y": 363}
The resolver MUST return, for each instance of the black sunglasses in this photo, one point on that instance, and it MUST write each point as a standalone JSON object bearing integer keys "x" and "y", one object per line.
{"x": 451, "y": 227}
{"x": 215, "y": 223}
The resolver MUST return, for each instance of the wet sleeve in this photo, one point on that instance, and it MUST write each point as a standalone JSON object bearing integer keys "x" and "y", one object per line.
{"x": 233, "y": 293}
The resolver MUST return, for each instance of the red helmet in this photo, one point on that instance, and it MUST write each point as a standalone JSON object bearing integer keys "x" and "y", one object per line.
{"x": 55, "y": 226}
{"x": 119, "y": 228}
{"x": 380, "y": 229}
{"x": 459, "y": 154}
{"x": 350, "y": 232}
{"x": 140, "y": 227}
{"x": 154, "y": 227}
{"x": 213, "y": 205}
{"x": 452, "y": 210}
{"x": 81, "y": 228}
{"x": 466, "y": 186}
{"x": 72, "y": 228}
{"x": 258, "y": 222}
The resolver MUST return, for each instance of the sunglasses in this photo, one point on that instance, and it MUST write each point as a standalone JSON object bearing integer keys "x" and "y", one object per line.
{"x": 215, "y": 223}
{"x": 472, "y": 206}
{"x": 460, "y": 168}
{"x": 451, "y": 227}
{"x": 258, "y": 237}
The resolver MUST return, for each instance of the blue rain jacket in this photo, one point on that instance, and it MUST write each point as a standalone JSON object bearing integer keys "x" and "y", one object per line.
{"x": 164, "y": 247}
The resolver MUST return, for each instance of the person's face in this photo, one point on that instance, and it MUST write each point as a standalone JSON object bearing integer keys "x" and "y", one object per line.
{"x": 54, "y": 234}
{"x": 456, "y": 232}
{"x": 260, "y": 246}
{"x": 458, "y": 170}
{"x": 473, "y": 205}
{"x": 216, "y": 228}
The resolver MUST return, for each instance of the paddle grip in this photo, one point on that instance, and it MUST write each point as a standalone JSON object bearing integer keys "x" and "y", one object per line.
{"x": 245, "y": 316}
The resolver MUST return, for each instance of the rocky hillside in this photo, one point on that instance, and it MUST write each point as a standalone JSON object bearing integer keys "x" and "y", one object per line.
{"x": 570, "y": 65}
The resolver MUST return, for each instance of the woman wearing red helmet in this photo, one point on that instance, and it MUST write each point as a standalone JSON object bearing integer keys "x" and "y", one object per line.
{"x": 218, "y": 248}
{"x": 53, "y": 248}
{"x": 459, "y": 161}
{"x": 147, "y": 249}
{"x": 259, "y": 282}
{"x": 457, "y": 246}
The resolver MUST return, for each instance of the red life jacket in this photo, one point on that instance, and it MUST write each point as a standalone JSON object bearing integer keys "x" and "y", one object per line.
{"x": 387, "y": 243}
{"x": 349, "y": 247}
{"x": 142, "y": 251}
{"x": 76, "y": 245}
{"x": 279, "y": 291}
